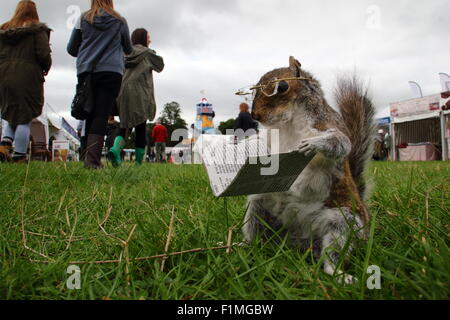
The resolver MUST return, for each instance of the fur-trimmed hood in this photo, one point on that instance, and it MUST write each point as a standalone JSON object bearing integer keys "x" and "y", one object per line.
{"x": 15, "y": 35}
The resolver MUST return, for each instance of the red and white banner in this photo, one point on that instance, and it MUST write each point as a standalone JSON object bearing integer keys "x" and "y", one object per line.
{"x": 416, "y": 107}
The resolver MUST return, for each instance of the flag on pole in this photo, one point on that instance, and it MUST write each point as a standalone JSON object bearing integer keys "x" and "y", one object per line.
{"x": 416, "y": 90}
{"x": 445, "y": 82}
{"x": 445, "y": 96}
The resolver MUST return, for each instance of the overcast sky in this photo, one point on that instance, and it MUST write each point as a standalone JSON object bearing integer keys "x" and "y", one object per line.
{"x": 222, "y": 45}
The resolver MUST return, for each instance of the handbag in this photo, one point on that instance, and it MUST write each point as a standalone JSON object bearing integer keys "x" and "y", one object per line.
{"x": 83, "y": 102}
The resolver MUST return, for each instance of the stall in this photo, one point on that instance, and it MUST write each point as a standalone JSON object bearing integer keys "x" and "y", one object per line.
{"x": 383, "y": 119}
{"x": 39, "y": 138}
{"x": 417, "y": 129}
{"x": 382, "y": 145}
{"x": 61, "y": 131}
{"x": 445, "y": 123}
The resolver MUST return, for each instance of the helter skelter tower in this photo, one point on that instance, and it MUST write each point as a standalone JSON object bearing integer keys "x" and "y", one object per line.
{"x": 204, "y": 122}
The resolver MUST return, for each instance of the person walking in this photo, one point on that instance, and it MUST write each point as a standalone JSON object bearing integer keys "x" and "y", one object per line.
{"x": 160, "y": 136}
{"x": 99, "y": 42}
{"x": 245, "y": 126}
{"x": 245, "y": 121}
{"x": 136, "y": 102}
{"x": 81, "y": 131}
{"x": 181, "y": 156}
{"x": 112, "y": 131}
{"x": 151, "y": 155}
{"x": 25, "y": 60}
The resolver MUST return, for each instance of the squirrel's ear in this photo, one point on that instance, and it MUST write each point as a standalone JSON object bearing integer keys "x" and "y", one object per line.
{"x": 295, "y": 66}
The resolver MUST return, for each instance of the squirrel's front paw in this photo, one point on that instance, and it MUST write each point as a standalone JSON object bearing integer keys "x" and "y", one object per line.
{"x": 308, "y": 147}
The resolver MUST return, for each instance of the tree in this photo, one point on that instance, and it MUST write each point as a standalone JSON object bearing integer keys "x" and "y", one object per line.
{"x": 171, "y": 119}
{"x": 170, "y": 114}
{"x": 227, "y": 125}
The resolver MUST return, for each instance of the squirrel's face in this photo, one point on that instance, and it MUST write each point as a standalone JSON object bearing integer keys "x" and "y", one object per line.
{"x": 276, "y": 93}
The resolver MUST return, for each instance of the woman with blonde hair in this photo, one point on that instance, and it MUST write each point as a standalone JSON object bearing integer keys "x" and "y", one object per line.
{"x": 25, "y": 59}
{"x": 100, "y": 41}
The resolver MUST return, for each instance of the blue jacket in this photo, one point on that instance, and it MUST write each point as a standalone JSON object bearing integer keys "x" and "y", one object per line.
{"x": 88, "y": 41}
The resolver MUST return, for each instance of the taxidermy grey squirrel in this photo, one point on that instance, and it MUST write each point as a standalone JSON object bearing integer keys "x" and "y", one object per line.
{"x": 326, "y": 205}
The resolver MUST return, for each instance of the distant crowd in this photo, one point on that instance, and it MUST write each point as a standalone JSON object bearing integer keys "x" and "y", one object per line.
{"x": 116, "y": 69}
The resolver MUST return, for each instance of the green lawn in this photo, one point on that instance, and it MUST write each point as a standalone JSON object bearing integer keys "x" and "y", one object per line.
{"x": 69, "y": 214}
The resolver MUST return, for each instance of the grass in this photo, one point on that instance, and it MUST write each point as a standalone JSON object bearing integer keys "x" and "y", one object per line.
{"x": 60, "y": 208}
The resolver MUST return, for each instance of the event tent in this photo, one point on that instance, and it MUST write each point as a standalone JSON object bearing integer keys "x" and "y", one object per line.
{"x": 445, "y": 123}
{"x": 417, "y": 129}
{"x": 383, "y": 120}
{"x": 50, "y": 124}
{"x": 383, "y": 116}
{"x": 40, "y": 130}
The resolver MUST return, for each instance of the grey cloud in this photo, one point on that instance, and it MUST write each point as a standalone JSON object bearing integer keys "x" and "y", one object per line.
{"x": 220, "y": 46}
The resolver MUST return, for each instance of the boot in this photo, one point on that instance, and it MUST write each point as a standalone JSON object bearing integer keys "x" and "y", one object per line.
{"x": 5, "y": 152}
{"x": 114, "y": 154}
{"x": 94, "y": 152}
{"x": 140, "y": 154}
{"x": 19, "y": 158}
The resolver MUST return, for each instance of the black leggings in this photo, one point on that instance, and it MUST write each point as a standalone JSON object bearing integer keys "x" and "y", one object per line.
{"x": 106, "y": 87}
{"x": 141, "y": 140}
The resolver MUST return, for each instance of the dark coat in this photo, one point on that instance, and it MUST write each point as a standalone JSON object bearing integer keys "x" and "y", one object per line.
{"x": 136, "y": 102}
{"x": 25, "y": 57}
{"x": 245, "y": 122}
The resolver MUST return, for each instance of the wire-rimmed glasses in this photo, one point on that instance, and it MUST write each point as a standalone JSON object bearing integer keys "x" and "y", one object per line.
{"x": 272, "y": 88}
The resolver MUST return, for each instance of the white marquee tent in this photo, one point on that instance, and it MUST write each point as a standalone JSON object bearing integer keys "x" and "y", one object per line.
{"x": 417, "y": 131}
{"x": 50, "y": 124}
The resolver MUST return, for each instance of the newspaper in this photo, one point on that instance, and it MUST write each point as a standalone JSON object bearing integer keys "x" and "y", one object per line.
{"x": 247, "y": 167}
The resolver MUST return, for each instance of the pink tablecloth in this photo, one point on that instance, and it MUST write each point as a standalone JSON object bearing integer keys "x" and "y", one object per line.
{"x": 419, "y": 153}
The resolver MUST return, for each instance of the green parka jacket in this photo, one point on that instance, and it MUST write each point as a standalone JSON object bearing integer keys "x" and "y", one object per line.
{"x": 136, "y": 102}
{"x": 25, "y": 58}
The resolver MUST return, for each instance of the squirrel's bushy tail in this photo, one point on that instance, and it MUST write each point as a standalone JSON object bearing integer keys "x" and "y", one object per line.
{"x": 358, "y": 113}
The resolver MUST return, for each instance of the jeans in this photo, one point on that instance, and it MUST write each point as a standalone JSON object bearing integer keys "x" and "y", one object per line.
{"x": 160, "y": 151}
{"x": 20, "y": 134}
